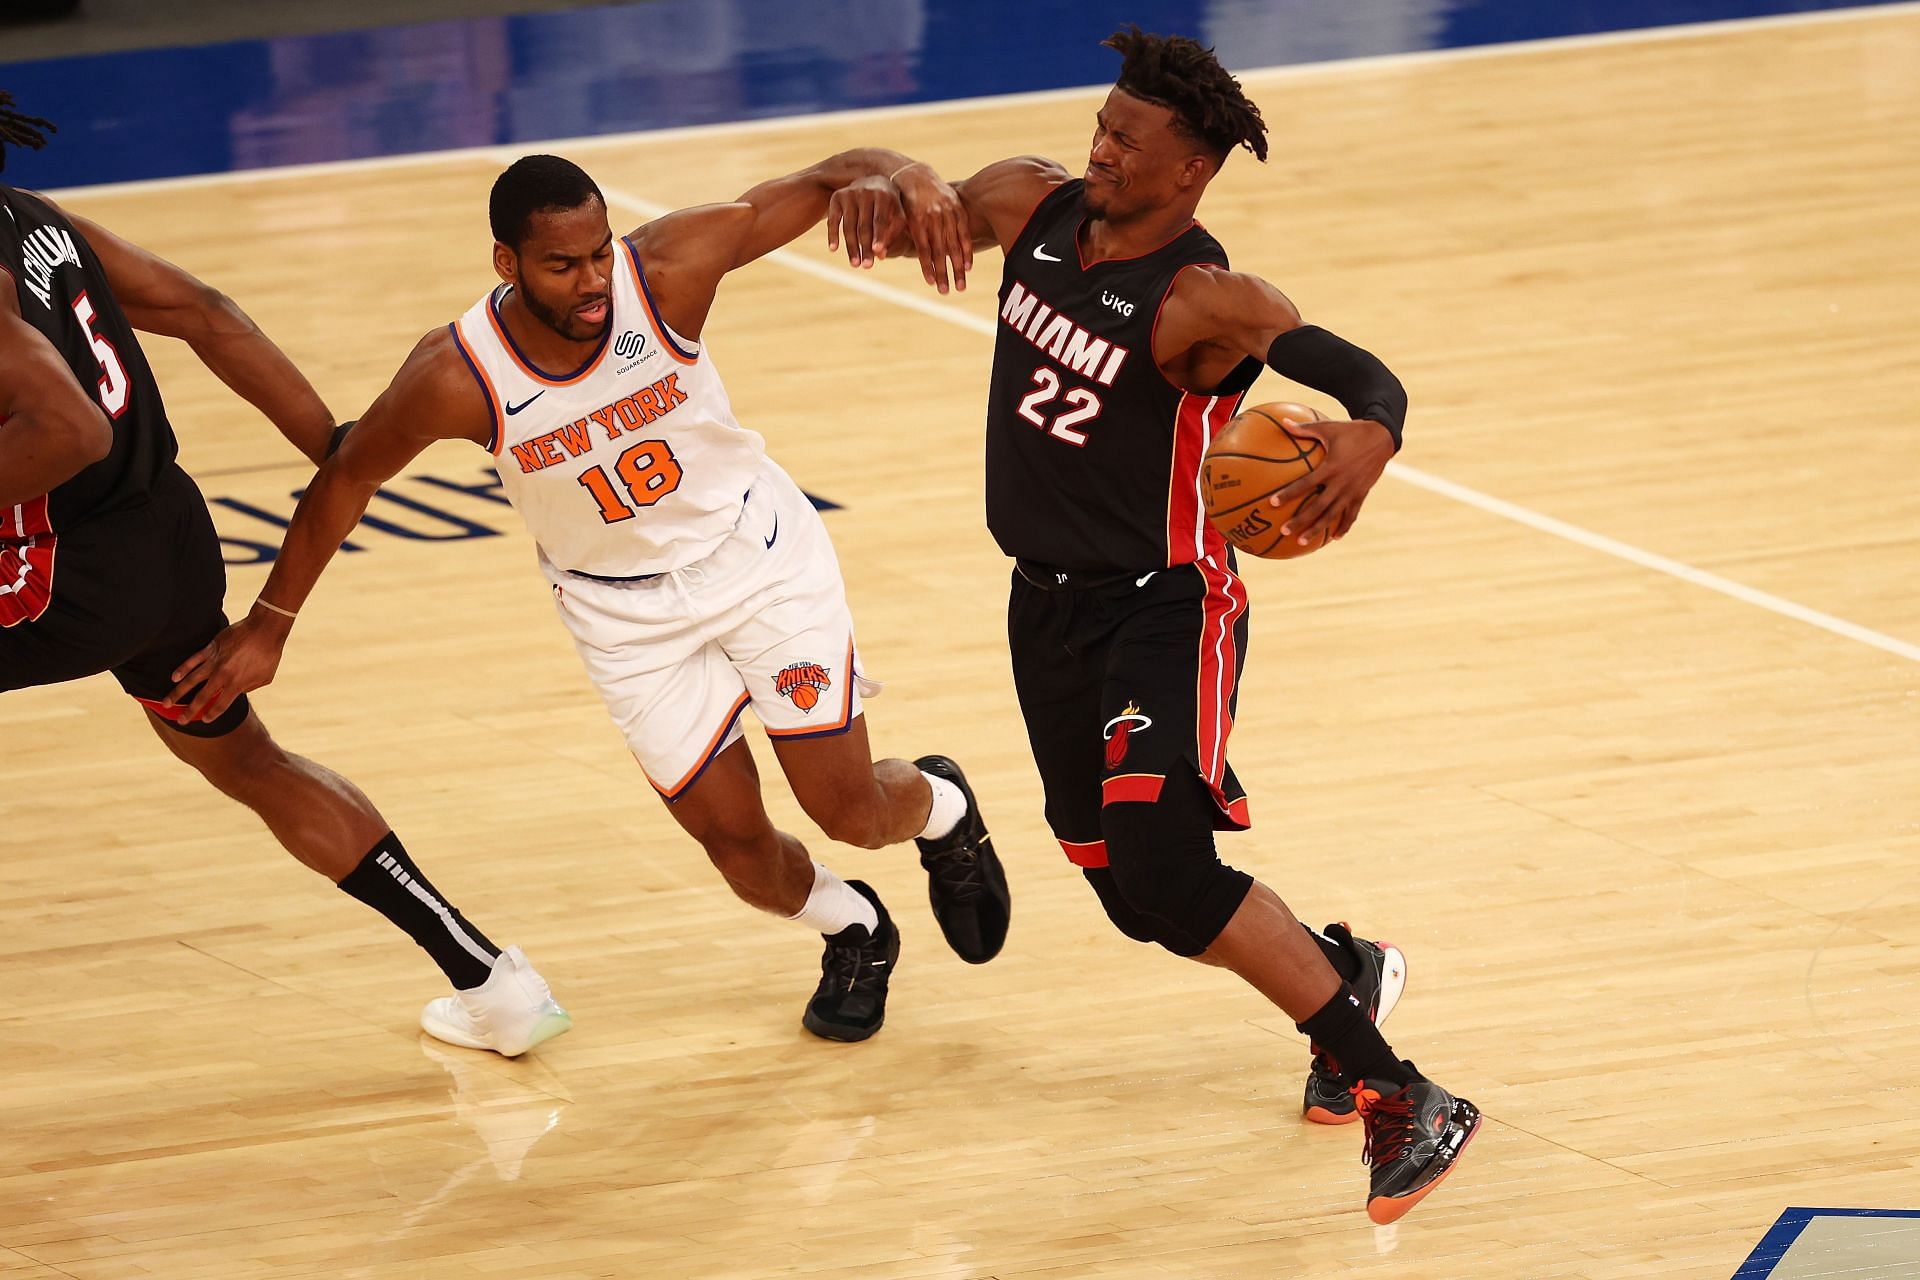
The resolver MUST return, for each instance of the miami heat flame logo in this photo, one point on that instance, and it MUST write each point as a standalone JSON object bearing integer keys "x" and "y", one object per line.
{"x": 1118, "y": 730}
{"x": 802, "y": 683}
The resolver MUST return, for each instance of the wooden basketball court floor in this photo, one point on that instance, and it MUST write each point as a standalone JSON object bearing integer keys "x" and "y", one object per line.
{"x": 1606, "y": 713}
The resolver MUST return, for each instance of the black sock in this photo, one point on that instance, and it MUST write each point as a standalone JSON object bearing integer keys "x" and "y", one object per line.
{"x": 1341, "y": 957}
{"x": 387, "y": 881}
{"x": 1343, "y": 1032}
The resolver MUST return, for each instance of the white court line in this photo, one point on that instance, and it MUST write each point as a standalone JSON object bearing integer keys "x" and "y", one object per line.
{"x": 850, "y": 115}
{"x": 849, "y": 278}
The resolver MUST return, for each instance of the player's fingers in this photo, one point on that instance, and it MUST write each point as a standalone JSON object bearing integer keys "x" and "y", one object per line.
{"x": 190, "y": 673}
{"x": 958, "y": 253}
{"x": 887, "y": 221}
{"x": 203, "y": 701}
{"x": 937, "y": 254}
{"x": 1290, "y": 493}
{"x": 834, "y": 205}
{"x": 926, "y": 245}
{"x": 1347, "y": 517}
{"x": 1308, "y": 523}
{"x": 863, "y": 228}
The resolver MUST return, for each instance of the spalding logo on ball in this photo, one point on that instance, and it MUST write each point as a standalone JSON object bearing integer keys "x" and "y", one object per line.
{"x": 1253, "y": 458}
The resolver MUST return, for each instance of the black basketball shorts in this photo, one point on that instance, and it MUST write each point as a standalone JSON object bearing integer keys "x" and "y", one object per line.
{"x": 135, "y": 592}
{"x": 1124, "y": 681}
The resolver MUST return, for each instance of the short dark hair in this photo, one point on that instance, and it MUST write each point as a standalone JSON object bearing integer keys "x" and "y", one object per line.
{"x": 530, "y": 185}
{"x": 1183, "y": 76}
{"x": 18, "y": 129}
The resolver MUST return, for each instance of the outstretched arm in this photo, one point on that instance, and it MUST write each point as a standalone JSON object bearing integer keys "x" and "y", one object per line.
{"x": 687, "y": 252}
{"x": 432, "y": 397}
{"x": 162, "y": 298}
{"x": 50, "y": 428}
{"x": 1215, "y": 318}
{"x": 992, "y": 207}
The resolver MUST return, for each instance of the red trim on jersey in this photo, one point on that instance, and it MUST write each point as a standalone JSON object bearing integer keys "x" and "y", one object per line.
{"x": 1154, "y": 330}
{"x": 1028, "y": 220}
{"x": 1220, "y": 612}
{"x": 1196, "y": 421}
{"x": 660, "y": 332}
{"x": 1086, "y": 266}
{"x": 486, "y": 389}
{"x": 1123, "y": 788}
{"x": 172, "y": 715}
{"x": 27, "y": 551}
{"x": 1091, "y": 854}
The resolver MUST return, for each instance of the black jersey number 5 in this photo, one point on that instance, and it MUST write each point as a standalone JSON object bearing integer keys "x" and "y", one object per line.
{"x": 113, "y": 375}
{"x": 1085, "y": 406}
{"x": 648, "y": 471}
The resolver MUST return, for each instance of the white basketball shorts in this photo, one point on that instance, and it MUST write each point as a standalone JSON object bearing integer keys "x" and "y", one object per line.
{"x": 762, "y": 621}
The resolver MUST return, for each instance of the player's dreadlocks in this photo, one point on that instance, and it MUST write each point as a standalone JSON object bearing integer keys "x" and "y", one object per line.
{"x": 1183, "y": 76}
{"x": 18, "y": 129}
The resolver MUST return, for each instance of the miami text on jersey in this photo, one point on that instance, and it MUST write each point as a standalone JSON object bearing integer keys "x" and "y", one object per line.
{"x": 1061, "y": 338}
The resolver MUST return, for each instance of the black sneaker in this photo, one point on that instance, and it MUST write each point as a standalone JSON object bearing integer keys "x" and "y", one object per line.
{"x": 1382, "y": 980}
{"x": 1415, "y": 1135}
{"x": 965, "y": 881}
{"x": 851, "y": 1001}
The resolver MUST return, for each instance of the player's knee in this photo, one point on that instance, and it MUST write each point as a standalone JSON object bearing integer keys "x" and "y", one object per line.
{"x": 854, "y": 815}
{"x": 1134, "y": 923}
{"x": 244, "y": 766}
{"x": 1168, "y": 872}
{"x": 745, "y": 859}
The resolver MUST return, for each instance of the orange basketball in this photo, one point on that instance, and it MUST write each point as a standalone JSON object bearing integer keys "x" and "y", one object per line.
{"x": 1253, "y": 458}
{"x": 805, "y": 697}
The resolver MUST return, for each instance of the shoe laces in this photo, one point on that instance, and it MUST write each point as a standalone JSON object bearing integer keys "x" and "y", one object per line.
{"x": 958, "y": 871}
{"x": 850, "y": 966}
{"x": 1388, "y": 1123}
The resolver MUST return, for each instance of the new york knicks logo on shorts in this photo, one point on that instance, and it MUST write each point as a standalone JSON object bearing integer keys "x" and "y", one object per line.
{"x": 802, "y": 683}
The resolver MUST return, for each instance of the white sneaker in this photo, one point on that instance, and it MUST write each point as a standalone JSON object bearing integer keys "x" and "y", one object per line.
{"x": 509, "y": 1013}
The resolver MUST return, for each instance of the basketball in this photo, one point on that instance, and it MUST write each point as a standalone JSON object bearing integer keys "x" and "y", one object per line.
{"x": 1252, "y": 458}
{"x": 805, "y": 697}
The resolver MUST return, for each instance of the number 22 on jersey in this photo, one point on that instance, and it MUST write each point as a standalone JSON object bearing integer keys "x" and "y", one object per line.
{"x": 647, "y": 471}
{"x": 1085, "y": 406}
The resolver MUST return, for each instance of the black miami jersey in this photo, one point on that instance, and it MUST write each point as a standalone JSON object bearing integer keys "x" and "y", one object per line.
{"x": 1093, "y": 456}
{"x": 63, "y": 292}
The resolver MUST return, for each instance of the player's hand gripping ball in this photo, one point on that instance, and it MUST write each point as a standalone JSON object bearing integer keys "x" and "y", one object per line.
{"x": 1252, "y": 458}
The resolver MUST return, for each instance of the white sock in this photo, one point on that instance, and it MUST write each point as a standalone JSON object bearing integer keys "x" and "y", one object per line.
{"x": 834, "y": 904}
{"x": 949, "y": 806}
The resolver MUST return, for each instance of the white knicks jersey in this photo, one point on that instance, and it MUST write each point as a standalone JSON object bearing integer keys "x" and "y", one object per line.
{"x": 631, "y": 464}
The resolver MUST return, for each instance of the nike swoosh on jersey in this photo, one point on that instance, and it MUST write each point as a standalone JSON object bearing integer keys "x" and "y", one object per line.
{"x": 1141, "y": 582}
{"x": 776, "y": 531}
{"x": 1040, "y": 252}
{"x": 515, "y": 408}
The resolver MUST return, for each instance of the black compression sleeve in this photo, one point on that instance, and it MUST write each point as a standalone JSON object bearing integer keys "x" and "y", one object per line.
{"x": 1326, "y": 362}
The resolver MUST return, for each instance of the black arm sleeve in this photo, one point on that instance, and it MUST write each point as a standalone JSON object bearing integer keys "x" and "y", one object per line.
{"x": 1326, "y": 362}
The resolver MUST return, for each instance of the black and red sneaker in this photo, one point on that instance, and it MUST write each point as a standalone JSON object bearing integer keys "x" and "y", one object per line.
{"x": 965, "y": 881}
{"x": 1381, "y": 982}
{"x": 1415, "y": 1134}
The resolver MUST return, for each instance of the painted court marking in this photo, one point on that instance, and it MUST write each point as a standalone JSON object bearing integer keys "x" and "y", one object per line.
{"x": 847, "y": 278}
